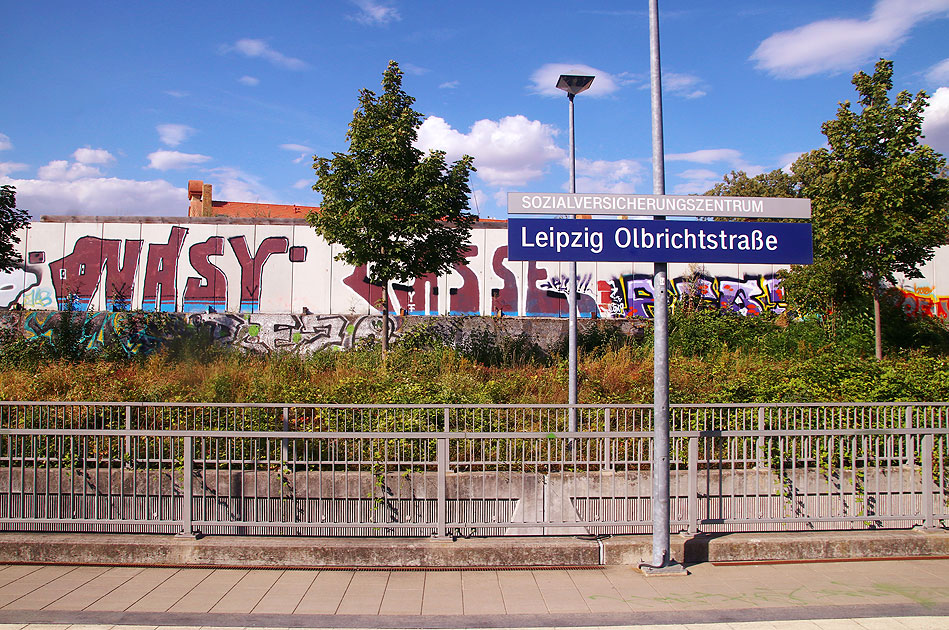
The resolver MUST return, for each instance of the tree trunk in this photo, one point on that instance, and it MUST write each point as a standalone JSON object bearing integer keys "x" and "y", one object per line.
{"x": 877, "y": 324}
{"x": 385, "y": 318}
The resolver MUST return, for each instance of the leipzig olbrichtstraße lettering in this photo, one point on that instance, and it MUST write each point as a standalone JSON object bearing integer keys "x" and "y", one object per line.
{"x": 610, "y": 240}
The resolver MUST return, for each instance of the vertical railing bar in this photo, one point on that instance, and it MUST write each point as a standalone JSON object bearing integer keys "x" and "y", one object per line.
{"x": 127, "y": 452}
{"x": 187, "y": 488}
{"x": 926, "y": 462}
{"x": 441, "y": 453}
{"x": 693, "y": 500}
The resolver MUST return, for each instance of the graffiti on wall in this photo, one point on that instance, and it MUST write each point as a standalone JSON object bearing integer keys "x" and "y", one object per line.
{"x": 91, "y": 331}
{"x": 922, "y": 300}
{"x": 134, "y": 334}
{"x": 95, "y": 261}
{"x": 299, "y": 334}
{"x": 632, "y": 296}
{"x": 239, "y": 269}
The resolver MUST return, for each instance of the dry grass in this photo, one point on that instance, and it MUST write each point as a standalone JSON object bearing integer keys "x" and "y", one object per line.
{"x": 621, "y": 375}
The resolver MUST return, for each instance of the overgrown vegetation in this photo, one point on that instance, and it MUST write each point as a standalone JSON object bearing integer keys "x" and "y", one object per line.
{"x": 880, "y": 198}
{"x": 717, "y": 356}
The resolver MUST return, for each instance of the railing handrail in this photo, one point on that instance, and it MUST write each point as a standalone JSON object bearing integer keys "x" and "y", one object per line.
{"x": 644, "y": 406}
{"x": 439, "y": 468}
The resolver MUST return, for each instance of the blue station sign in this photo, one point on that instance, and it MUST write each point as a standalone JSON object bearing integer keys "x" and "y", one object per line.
{"x": 608, "y": 240}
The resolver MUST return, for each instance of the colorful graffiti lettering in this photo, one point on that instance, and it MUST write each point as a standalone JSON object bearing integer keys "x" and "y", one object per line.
{"x": 586, "y": 296}
{"x": 95, "y": 331}
{"x": 80, "y": 273}
{"x": 198, "y": 266}
{"x": 39, "y": 300}
{"x": 922, "y": 301}
{"x": 132, "y": 334}
{"x": 15, "y": 285}
{"x": 632, "y": 296}
{"x": 302, "y": 334}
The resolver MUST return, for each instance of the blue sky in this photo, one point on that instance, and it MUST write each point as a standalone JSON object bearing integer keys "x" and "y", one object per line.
{"x": 109, "y": 108}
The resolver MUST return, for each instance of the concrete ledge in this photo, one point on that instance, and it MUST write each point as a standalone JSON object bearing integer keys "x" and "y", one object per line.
{"x": 246, "y": 551}
{"x": 785, "y": 546}
{"x": 500, "y": 552}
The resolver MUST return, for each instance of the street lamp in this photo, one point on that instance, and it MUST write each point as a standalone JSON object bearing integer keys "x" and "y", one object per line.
{"x": 573, "y": 84}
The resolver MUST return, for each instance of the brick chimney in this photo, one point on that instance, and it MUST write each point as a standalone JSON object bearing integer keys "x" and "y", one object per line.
{"x": 199, "y": 198}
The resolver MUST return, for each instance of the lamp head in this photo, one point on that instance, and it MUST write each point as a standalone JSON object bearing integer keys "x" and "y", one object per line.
{"x": 573, "y": 84}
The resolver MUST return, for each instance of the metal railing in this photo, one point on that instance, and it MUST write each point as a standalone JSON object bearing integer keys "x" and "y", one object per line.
{"x": 490, "y": 470}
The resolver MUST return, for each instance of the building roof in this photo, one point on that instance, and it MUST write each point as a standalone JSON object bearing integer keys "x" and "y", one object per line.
{"x": 260, "y": 210}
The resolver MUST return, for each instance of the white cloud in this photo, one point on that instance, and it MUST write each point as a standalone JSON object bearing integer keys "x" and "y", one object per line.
{"x": 699, "y": 173}
{"x": 234, "y": 184}
{"x": 939, "y": 73}
{"x": 449, "y": 85}
{"x": 508, "y": 152}
{"x": 64, "y": 187}
{"x": 684, "y": 85}
{"x": 544, "y": 79}
{"x": 837, "y": 45}
{"x": 375, "y": 13}
{"x": 166, "y": 160}
{"x": 300, "y": 184}
{"x": 605, "y": 176}
{"x": 936, "y": 121}
{"x": 177, "y": 93}
{"x": 249, "y": 81}
{"x": 173, "y": 135}
{"x": 255, "y": 48}
{"x": 10, "y": 167}
{"x": 699, "y": 180}
{"x": 706, "y": 156}
{"x": 92, "y": 156}
{"x": 62, "y": 170}
{"x": 411, "y": 68}
{"x": 100, "y": 196}
{"x": 788, "y": 159}
{"x": 5, "y": 144}
{"x": 306, "y": 152}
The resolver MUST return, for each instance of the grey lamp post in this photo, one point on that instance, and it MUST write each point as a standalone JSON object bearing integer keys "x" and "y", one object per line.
{"x": 573, "y": 84}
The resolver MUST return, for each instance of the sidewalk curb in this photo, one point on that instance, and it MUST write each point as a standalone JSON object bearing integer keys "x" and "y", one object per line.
{"x": 509, "y": 551}
{"x": 785, "y": 546}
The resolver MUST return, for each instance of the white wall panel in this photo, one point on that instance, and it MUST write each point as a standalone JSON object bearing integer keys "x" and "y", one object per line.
{"x": 198, "y": 267}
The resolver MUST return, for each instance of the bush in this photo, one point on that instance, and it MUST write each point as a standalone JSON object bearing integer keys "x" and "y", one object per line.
{"x": 706, "y": 332}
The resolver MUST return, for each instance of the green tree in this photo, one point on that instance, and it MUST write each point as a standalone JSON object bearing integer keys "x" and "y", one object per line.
{"x": 402, "y": 213}
{"x": 777, "y": 183}
{"x": 829, "y": 287}
{"x": 879, "y": 205}
{"x": 11, "y": 220}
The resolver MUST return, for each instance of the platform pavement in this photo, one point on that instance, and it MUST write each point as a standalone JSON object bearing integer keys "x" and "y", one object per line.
{"x": 892, "y": 594}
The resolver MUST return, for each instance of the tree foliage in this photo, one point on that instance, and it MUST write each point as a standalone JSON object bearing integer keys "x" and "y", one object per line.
{"x": 777, "y": 183}
{"x": 879, "y": 205}
{"x": 879, "y": 198}
{"x": 11, "y": 220}
{"x": 402, "y": 213}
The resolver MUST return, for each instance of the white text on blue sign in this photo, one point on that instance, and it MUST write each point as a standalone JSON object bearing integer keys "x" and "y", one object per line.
{"x": 608, "y": 240}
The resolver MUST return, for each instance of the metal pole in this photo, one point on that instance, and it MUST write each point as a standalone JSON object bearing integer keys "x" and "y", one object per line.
{"x": 187, "y": 490}
{"x": 660, "y": 460}
{"x": 572, "y": 291}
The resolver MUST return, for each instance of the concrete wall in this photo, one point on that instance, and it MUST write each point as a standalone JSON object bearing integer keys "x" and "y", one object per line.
{"x": 280, "y": 266}
{"x": 283, "y": 332}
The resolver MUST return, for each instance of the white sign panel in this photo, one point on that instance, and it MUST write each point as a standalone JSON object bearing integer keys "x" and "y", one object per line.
{"x": 658, "y": 205}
